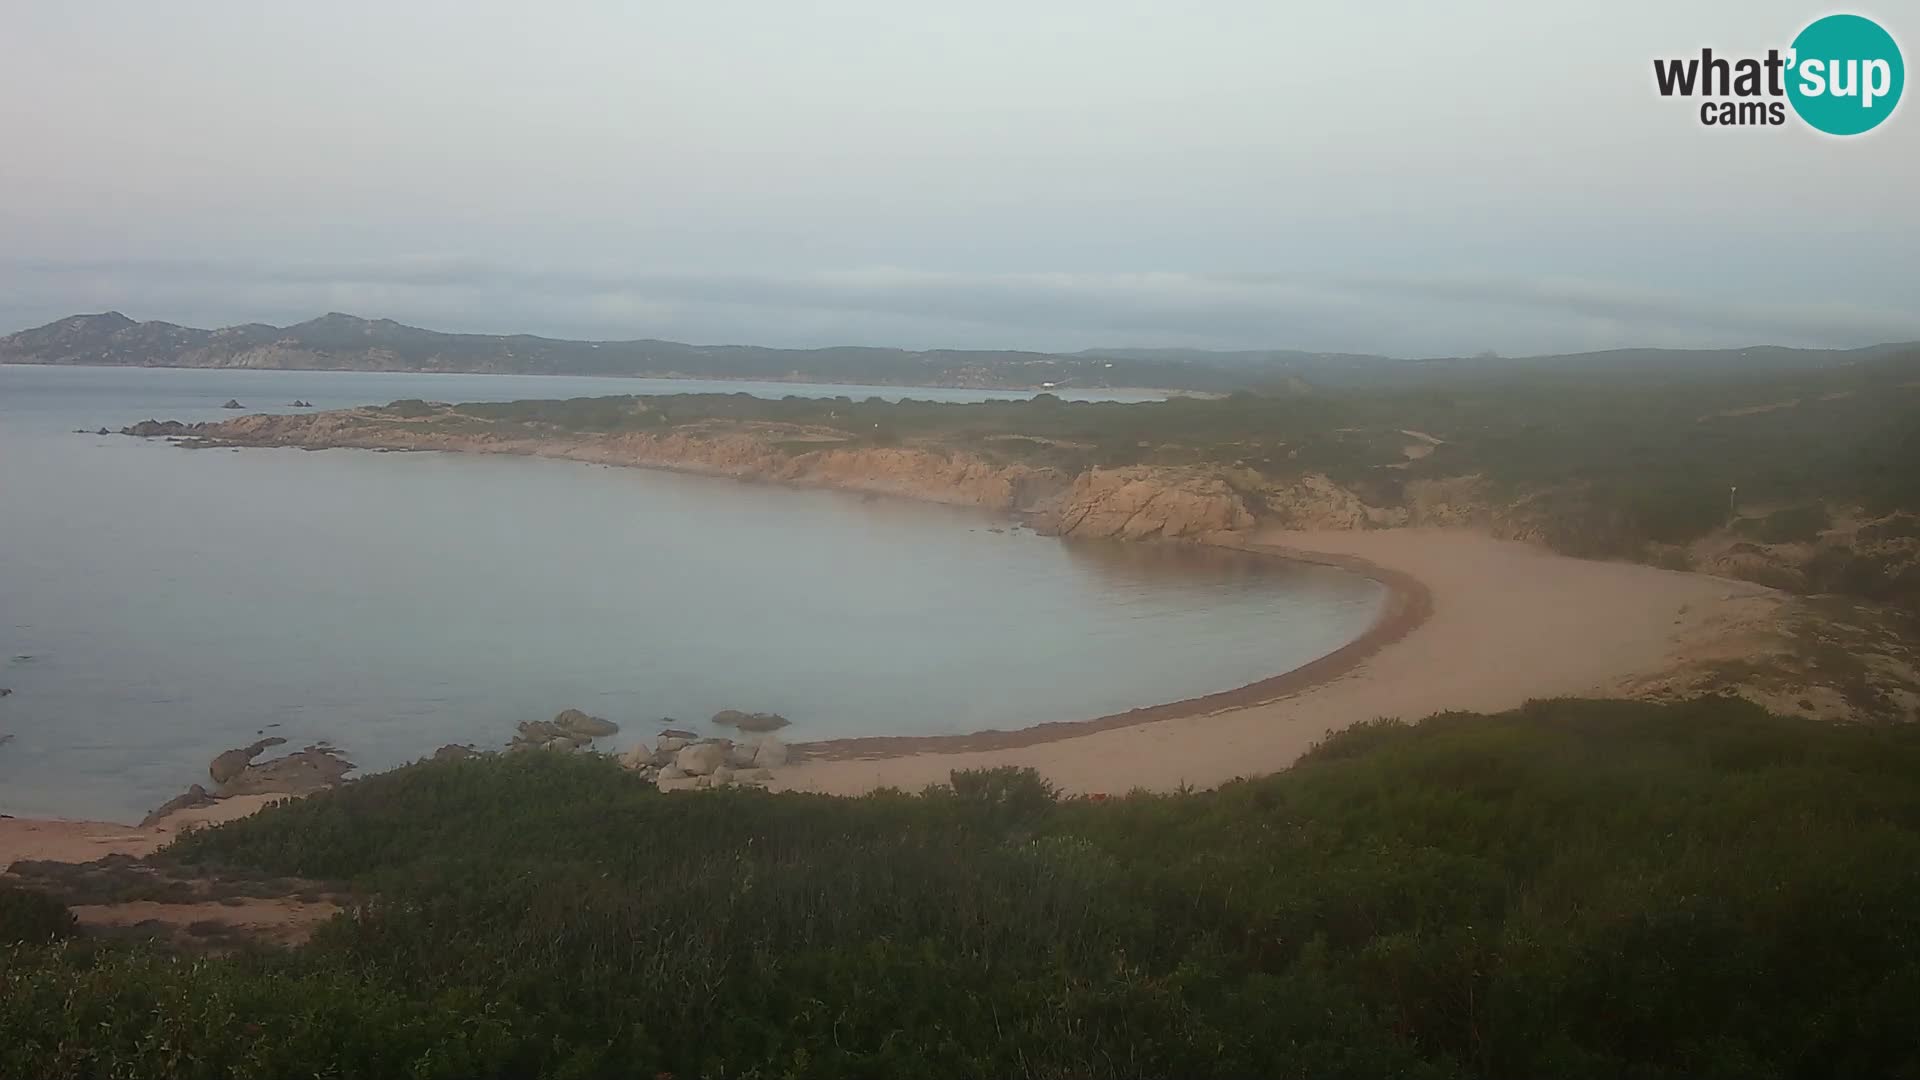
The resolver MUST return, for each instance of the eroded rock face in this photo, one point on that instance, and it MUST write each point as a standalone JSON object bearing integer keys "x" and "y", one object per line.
{"x": 1314, "y": 502}
{"x": 1139, "y": 502}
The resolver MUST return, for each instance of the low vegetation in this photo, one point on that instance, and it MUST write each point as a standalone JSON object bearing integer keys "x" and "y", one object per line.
{"x": 1594, "y": 889}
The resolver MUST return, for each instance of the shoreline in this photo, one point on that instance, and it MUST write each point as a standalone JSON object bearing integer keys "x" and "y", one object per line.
{"x": 1497, "y": 623}
{"x": 856, "y": 764}
{"x": 1166, "y": 392}
{"x": 1407, "y": 606}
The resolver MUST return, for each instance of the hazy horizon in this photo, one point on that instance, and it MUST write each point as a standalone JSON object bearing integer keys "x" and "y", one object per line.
{"x": 1115, "y": 347}
{"x": 1428, "y": 183}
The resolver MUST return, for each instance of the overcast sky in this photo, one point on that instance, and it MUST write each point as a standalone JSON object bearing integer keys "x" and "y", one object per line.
{"x": 1412, "y": 178}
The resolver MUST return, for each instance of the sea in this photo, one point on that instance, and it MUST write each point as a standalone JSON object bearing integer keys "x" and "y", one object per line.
{"x": 160, "y": 605}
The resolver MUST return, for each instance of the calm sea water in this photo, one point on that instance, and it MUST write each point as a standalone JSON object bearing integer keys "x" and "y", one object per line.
{"x": 159, "y": 605}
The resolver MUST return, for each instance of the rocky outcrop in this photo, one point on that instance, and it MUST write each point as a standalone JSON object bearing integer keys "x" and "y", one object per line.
{"x": 769, "y": 753}
{"x": 231, "y": 763}
{"x": 194, "y": 796}
{"x": 149, "y": 429}
{"x": 700, "y": 759}
{"x": 677, "y": 764}
{"x": 576, "y": 722}
{"x": 1314, "y": 502}
{"x": 758, "y": 722}
{"x": 233, "y": 404}
{"x": 306, "y": 771}
{"x": 571, "y": 729}
{"x": 1142, "y": 502}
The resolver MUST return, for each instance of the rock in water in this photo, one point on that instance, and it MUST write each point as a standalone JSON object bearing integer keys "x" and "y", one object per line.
{"x": 309, "y": 770}
{"x": 575, "y": 722}
{"x": 764, "y": 721}
{"x": 148, "y": 429}
{"x": 234, "y": 762}
{"x": 233, "y": 403}
{"x": 4, "y": 691}
{"x": 700, "y": 759}
{"x": 755, "y": 722}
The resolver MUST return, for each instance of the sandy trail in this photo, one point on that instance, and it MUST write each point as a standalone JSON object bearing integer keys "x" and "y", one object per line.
{"x": 1509, "y": 622}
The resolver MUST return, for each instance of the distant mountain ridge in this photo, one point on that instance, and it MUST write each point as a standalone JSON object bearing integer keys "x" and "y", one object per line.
{"x": 342, "y": 342}
{"x": 338, "y": 341}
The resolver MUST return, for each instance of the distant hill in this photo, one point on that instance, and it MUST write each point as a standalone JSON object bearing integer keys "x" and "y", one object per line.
{"x": 349, "y": 343}
{"x": 345, "y": 342}
{"x": 1360, "y": 369}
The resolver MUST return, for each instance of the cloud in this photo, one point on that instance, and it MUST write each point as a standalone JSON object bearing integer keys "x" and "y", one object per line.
{"x": 1397, "y": 314}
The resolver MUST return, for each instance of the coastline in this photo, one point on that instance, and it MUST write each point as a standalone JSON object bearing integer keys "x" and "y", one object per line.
{"x": 1386, "y": 671}
{"x": 1061, "y": 391}
{"x": 1408, "y": 604}
{"x": 1508, "y": 623}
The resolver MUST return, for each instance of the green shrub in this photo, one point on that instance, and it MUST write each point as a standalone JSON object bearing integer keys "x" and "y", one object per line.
{"x": 1795, "y": 524}
{"x": 1568, "y": 889}
{"x": 32, "y": 917}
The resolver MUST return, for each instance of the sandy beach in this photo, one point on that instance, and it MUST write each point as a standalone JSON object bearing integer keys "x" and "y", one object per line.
{"x": 1473, "y": 623}
{"x": 83, "y": 841}
{"x": 1509, "y": 622}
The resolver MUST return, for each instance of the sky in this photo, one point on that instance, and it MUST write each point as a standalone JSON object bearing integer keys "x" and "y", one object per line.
{"x": 1398, "y": 177}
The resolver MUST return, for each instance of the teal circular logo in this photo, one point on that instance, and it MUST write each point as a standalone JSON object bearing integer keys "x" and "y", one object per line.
{"x": 1845, "y": 75}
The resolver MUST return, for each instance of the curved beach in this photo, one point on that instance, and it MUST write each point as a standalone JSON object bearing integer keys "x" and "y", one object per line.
{"x": 1470, "y": 623}
{"x": 1474, "y": 624}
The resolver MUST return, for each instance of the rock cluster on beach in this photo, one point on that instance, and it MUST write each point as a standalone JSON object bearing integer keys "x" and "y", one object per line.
{"x": 677, "y": 762}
